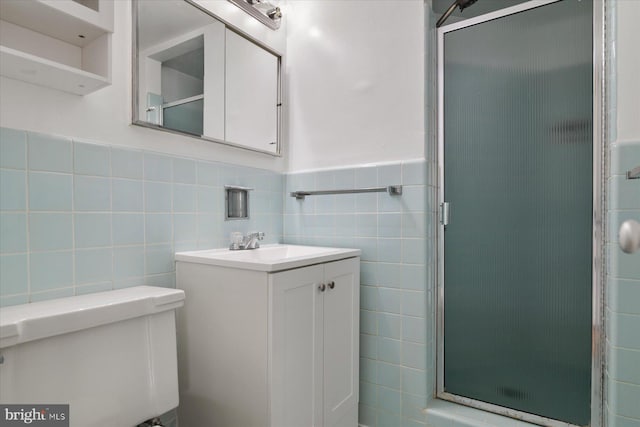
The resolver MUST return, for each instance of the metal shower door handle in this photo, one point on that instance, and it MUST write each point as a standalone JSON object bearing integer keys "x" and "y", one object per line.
{"x": 629, "y": 236}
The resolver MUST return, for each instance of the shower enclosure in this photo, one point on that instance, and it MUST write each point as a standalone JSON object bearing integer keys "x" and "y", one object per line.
{"x": 517, "y": 295}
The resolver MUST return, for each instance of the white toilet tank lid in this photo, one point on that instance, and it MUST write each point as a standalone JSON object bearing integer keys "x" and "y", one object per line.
{"x": 28, "y": 322}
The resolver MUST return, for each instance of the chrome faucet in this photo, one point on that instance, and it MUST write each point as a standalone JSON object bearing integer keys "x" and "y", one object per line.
{"x": 250, "y": 241}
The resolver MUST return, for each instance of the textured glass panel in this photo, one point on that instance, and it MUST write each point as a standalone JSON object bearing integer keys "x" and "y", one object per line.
{"x": 185, "y": 117}
{"x": 518, "y": 177}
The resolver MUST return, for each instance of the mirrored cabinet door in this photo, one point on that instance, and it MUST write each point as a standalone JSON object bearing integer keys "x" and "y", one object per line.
{"x": 213, "y": 126}
{"x": 197, "y": 76}
{"x": 251, "y": 94}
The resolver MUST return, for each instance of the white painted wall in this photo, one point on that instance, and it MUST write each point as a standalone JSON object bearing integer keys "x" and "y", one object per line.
{"x": 105, "y": 116}
{"x": 355, "y": 82}
{"x": 628, "y": 67}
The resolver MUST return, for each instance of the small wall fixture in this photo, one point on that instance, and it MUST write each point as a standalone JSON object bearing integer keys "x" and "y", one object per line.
{"x": 264, "y": 11}
{"x": 236, "y": 202}
{"x": 629, "y": 236}
{"x": 275, "y": 13}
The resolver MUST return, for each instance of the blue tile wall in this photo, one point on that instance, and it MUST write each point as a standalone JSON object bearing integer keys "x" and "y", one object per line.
{"x": 91, "y": 159}
{"x": 392, "y": 233}
{"x": 64, "y": 231}
{"x": 13, "y": 228}
{"x": 50, "y": 231}
{"x": 49, "y": 153}
{"x": 622, "y": 308}
{"x": 622, "y": 311}
{"x": 126, "y": 164}
{"x": 13, "y": 190}
{"x": 13, "y": 150}
{"x": 50, "y": 192}
{"x": 78, "y": 218}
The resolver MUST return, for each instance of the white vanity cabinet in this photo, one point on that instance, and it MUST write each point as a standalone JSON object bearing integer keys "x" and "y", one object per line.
{"x": 277, "y": 348}
{"x": 314, "y": 345}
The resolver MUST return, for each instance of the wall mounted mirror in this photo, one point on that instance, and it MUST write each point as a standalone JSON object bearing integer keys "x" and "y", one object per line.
{"x": 196, "y": 75}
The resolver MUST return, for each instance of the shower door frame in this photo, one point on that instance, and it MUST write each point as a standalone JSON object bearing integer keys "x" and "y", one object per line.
{"x": 599, "y": 134}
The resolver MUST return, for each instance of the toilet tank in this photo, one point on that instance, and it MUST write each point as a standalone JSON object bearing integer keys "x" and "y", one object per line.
{"x": 111, "y": 356}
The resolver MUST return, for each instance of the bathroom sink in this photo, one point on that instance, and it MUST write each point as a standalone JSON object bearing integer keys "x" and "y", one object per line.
{"x": 268, "y": 257}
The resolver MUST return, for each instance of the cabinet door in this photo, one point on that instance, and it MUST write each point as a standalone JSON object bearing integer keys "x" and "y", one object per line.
{"x": 296, "y": 347}
{"x": 341, "y": 326}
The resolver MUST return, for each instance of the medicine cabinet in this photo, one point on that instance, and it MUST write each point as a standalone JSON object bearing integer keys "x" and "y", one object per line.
{"x": 196, "y": 75}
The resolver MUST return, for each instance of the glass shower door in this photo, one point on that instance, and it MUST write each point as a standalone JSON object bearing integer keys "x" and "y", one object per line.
{"x": 517, "y": 263}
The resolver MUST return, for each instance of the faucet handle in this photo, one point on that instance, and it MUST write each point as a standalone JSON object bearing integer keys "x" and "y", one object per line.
{"x": 251, "y": 240}
{"x": 258, "y": 235}
{"x": 236, "y": 240}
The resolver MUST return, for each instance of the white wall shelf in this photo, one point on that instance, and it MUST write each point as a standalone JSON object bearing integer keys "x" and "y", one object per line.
{"x": 33, "y": 69}
{"x": 60, "y": 44}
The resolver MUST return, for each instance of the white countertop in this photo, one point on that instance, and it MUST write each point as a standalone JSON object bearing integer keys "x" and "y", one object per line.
{"x": 268, "y": 258}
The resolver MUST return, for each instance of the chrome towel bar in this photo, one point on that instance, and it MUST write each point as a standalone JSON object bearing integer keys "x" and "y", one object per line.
{"x": 634, "y": 173}
{"x": 394, "y": 190}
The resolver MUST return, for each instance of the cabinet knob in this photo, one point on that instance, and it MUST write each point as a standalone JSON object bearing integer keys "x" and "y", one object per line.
{"x": 322, "y": 287}
{"x": 332, "y": 285}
